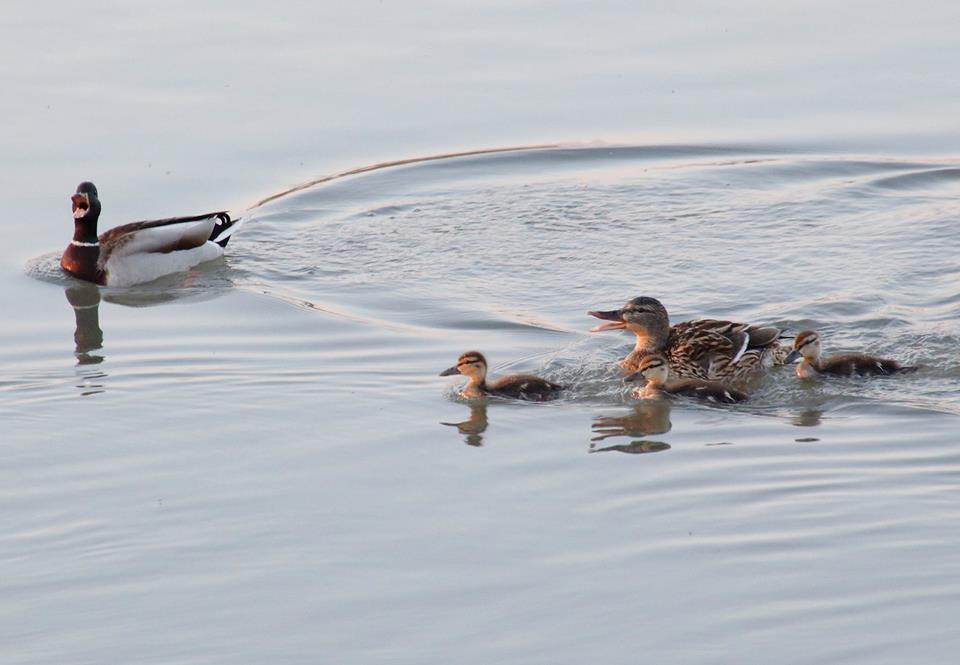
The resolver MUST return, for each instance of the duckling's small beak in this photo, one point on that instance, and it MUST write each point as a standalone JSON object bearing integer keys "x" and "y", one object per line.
{"x": 792, "y": 357}
{"x": 634, "y": 376}
{"x": 615, "y": 318}
{"x": 450, "y": 371}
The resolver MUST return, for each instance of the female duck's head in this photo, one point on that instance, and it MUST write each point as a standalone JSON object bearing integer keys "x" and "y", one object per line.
{"x": 645, "y": 317}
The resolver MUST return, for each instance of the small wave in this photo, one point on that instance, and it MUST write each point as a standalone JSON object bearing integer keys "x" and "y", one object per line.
{"x": 920, "y": 179}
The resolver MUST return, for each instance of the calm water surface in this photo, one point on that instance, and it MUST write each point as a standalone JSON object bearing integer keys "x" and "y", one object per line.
{"x": 256, "y": 462}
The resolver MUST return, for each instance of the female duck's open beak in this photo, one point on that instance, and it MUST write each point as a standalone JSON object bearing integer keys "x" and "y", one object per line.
{"x": 792, "y": 357}
{"x": 615, "y": 318}
{"x": 450, "y": 371}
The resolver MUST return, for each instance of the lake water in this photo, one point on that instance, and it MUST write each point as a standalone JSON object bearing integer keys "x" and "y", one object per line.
{"x": 256, "y": 462}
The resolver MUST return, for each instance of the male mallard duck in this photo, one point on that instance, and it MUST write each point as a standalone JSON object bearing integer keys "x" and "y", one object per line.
{"x": 807, "y": 346}
{"x": 140, "y": 251}
{"x": 655, "y": 370}
{"x": 473, "y": 365}
{"x": 700, "y": 349}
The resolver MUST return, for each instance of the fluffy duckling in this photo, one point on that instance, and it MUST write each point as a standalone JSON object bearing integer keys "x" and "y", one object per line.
{"x": 699, "y": 349}
{"x": 806, "y": 345}
{"x": 655, "y": 370}
{"x": 141, "y": 251}
{"x": 473, "y": 365}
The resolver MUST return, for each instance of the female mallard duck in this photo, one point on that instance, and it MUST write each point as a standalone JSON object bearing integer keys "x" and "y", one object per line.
{"x": 473, "y": 365}
{"x": 700, "y": 349}
{"x": 140, "y": 251}
{"x": 806, "y": 345}
{"x": 655, "y": 370}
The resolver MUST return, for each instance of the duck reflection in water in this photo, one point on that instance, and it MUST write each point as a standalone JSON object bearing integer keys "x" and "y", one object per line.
{"x": 85, "y": 298}
{"x": 808, "y": 418}
{"x": 473, "y": 427}
{"x": 647, "y": 417}
{"x": 87, "y": 337}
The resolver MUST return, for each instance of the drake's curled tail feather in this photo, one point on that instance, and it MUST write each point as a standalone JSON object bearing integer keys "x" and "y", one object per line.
{"x": 225, "y": 227}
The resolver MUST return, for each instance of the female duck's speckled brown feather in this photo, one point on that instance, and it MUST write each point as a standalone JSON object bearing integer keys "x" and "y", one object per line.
{"x": 473, "y": 365}
{"x": 806, "y": 345}
{"x": 701, "y": 349}
{"x": 655, "y": 369}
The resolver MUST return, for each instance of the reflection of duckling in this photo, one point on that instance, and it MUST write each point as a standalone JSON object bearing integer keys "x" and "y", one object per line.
{"x": 634, "y": 447}
{"x": 474, "y": 426}
{"x": 807, "y": 346}
{"x": 650, "y": 416}
{"x": 473, "y": 365}
{"x": 654, "y": 369}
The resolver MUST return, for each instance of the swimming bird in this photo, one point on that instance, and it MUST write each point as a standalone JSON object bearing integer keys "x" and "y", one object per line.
{"x": 473, "y": 365}
{"x": 806, "y": 345}
{"x": 655, "y": 370}
{"x": 140, "y": 251}
{"x": 699, "y": 349}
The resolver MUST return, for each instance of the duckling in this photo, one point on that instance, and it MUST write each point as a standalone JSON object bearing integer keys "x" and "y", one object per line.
{"x": 140, "y": 251}
{"x": 473, "y": 365}
{"x": 700, "y": 349}
{"x": 806, "y": 345}
{"x": 655, "y": 370}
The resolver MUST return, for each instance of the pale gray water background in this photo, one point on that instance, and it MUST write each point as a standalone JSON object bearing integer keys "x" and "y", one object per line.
{"x": 247, "y": 464}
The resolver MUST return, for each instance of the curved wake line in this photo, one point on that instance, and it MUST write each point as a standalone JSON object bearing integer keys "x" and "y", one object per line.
{"x": 397, "y": 162}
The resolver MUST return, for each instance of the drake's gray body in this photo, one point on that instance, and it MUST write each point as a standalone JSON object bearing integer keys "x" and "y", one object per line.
{"x": 139, "y": 251}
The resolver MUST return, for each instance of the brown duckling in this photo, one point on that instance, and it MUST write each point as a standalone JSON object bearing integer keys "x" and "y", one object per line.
{"x": 655, "y": 370}
{"x": 700, "y": 349}
{"x": 806, "y": 345}
{"x": 473, "y": 365}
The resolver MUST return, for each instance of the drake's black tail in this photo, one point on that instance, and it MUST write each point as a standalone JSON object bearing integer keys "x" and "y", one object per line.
{"x": 225, "y": 226}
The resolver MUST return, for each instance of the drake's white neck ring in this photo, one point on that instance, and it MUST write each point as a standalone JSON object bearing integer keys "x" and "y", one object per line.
{"x": 78, "y": 243}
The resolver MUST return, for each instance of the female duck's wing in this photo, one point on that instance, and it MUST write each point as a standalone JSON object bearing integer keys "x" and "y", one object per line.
{"x": 696, "y": 346}
{"x": 710, "y": 348}
{"x": 742, "y": 336}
